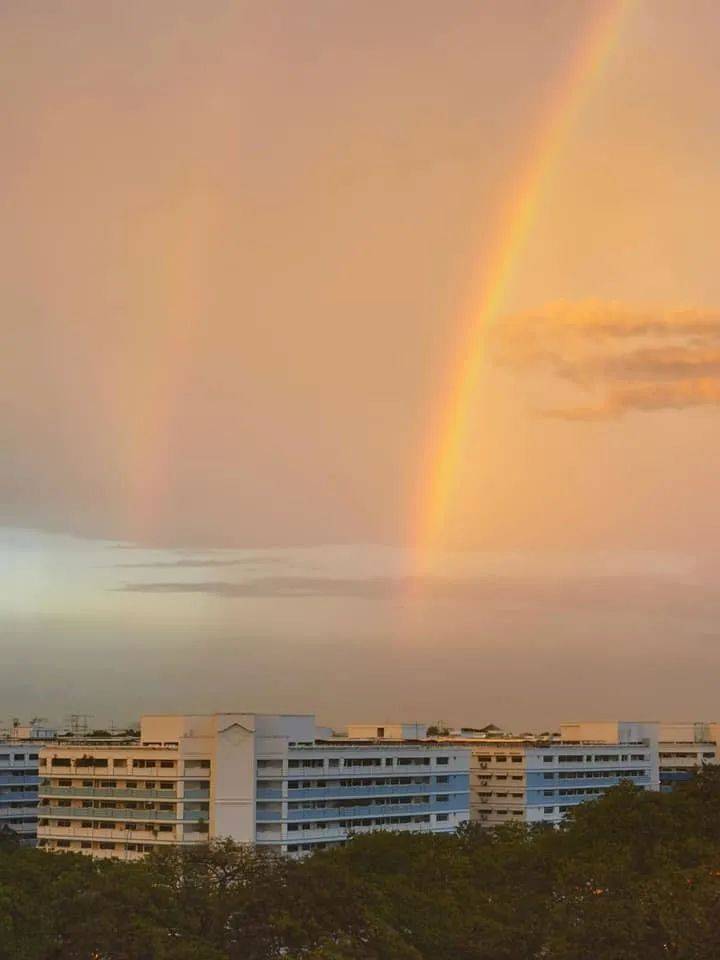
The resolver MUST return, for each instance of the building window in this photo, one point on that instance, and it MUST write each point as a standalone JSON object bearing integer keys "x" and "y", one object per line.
{"x": 442, "y": 817}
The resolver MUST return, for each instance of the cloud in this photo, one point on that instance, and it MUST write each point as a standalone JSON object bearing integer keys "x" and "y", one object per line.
{"x": 656, "y": 363}
{"x": 282, "y": 587}
{"x": 677, "y": 395}
{"x": 640, "y": 360}
{"x": 499, "y": 592}
{"x": 201, "y": 562}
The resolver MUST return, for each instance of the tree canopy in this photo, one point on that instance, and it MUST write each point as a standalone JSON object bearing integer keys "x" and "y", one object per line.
{"x": 631, "y": 875}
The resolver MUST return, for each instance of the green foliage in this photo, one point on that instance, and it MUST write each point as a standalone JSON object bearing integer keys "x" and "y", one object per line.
{"x": 632, "y": 875}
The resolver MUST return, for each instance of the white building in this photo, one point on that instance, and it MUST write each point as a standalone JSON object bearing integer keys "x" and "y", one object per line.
{"x": 259, "y": 778}
{"x": 685, "y": 747}
{"x": 539, "y": 779}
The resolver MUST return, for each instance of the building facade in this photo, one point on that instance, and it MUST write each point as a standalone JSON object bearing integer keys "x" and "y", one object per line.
{"x": 263, "y": 779}
{"x": 19, "y": 781}
{"x": 540, "y": 781}
{"x": 685, "y": 747}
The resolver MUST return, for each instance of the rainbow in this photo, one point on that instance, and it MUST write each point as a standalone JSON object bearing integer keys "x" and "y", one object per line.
{"x": 448, "y": 434}
{"x": 169, "y": 296}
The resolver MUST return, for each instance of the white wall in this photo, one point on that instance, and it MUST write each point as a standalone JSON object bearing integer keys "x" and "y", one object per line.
{"x": 232, "y": 790}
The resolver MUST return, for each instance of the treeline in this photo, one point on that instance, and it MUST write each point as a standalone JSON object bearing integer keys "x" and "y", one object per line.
{"x": 632, "y": 876}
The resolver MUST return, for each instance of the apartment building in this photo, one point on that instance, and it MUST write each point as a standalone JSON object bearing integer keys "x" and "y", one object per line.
{"x": 539, "y": 781}
{"x": 107, "y": 798}
{"x": 19, "y": 786}
{"x": 267, "y": 779}
{"x": 683, "y": 748}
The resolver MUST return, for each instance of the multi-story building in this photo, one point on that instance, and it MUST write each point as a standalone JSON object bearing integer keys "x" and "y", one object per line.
{"x": 19, "y": 787}
{"x": 683, "y": 748}
{"x": 539, "y": 779}
{"x": 256, "y": 778}
{"x": 19, "y": 757}
{"x": 121, "y": 798}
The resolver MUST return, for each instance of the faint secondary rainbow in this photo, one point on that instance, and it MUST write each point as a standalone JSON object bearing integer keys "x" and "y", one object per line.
{"x": 449, "y": 430}
{"x": 170, "y": 289}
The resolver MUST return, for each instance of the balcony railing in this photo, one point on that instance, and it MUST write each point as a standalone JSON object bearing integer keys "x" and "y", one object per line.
{"x": 28, "y": 781}
{"x": 357, "y": 811}
{"x": 99, "y": 833}
{"x": 415, "y": 768}
{"x": 6, "y": 798}
{"x": 392, "y": 790}
{"x": 130, "y": 792}
{"x": 14, "y": 812}
{"x": 117, "y": 813}
{"x": 104, "y": 813}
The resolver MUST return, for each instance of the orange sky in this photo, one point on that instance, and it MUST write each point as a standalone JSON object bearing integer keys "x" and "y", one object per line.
{"x": 236, "y": 246}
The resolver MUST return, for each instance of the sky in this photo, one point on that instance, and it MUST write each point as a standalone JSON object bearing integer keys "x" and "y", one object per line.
{"x": 240, "y": 244}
